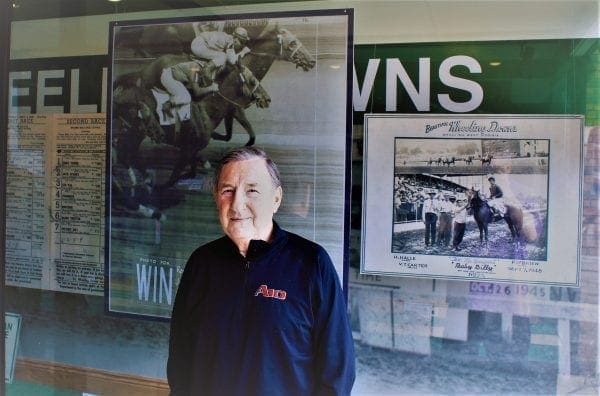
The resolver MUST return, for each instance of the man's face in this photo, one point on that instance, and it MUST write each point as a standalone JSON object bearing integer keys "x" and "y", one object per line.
{"x": 246, "y": 200}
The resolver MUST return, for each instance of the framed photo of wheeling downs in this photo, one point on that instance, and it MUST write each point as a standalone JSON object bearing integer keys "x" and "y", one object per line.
{"x": 279, "y": 81}
{"x": 473, "y": 197}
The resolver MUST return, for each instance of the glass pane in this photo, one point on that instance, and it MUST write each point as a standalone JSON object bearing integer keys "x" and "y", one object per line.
{"x": 412, "y": 335}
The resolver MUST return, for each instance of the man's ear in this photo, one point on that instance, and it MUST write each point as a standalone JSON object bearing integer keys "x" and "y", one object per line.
{"x": 277, "y": 199}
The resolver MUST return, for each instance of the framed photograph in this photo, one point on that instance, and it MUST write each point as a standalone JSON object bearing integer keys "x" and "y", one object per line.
{"x": 473, "y": 197}
{"x": 184, "y": 92}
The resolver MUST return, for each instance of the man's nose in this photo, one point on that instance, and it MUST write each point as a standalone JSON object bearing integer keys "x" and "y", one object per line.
{"x": 239, "y": 199}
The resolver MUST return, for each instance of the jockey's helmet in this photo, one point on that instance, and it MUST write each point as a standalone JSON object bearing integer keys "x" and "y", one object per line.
{"x": 241, "y": 34}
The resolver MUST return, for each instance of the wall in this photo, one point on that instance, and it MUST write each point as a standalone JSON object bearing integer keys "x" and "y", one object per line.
{"x": 376, "y": 22}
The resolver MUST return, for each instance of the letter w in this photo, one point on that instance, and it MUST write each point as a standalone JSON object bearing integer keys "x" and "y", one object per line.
{"x": 361, "y": 98}
{"x": 143, "y": 279}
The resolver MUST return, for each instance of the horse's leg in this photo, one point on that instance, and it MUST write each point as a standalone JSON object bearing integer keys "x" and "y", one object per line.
{"x": 191, "y": 158}
{"x": 199, "y": 141}
{"x": 482, "y": 234}
{"x": 204, "y": 125}
{"x": 170, "y": 134}
{"x": 183, "y": 141}
{"x": 228, "y": 121}
{"x": 240, "y": 116}
{"x": 511, "y": 226}
{"x": 180, "y": 165}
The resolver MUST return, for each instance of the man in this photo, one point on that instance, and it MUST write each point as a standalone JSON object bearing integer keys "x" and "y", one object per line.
{"x": 496, "y": 200}
{"x": 430, "y": 218}
{"x": 460, "y": 222}
{"x": 260, "y": 310}
{"x": 445, "y": 221}
{"x": 219, "y": 49}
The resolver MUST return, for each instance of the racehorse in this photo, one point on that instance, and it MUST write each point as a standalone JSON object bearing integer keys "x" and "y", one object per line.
{"x": 469, "y": 160}
{"x": 237, "y": 88}
{"x": 487, "y": 159}
{"x": 233, "y": 97}
{"x": 133, "y": 121}
{"x": 273, "y": 43}
{"x": 484, "y": 215}
{"x": 447, "y": 161}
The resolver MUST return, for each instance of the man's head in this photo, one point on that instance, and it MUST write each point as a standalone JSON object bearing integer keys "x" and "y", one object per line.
{"x": 240, "y": 37}
{"x": 492, "y": 180}
{"x": 247, "y": 193}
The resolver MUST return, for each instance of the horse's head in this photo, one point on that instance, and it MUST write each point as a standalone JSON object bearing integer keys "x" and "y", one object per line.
{"x": 294, "y": 51}
{"x": 252, "y": 89}
{"x": 289, "y": 47}
{"x": 474, "y": 198}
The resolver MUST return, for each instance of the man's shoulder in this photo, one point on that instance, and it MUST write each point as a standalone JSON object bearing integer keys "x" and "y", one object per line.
{"x": 300, "y": 242}
{"x": 312, "y": 252}
{"x": 213, "y": 247}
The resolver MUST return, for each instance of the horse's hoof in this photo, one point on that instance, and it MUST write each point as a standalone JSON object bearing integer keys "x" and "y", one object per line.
{"x": 250, "y": 142}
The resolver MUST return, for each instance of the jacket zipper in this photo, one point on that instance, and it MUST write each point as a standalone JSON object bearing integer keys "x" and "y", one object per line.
{"x": 245, "y": 288}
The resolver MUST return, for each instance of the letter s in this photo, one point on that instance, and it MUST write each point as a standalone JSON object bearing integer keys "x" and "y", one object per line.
{"x": 456, "y": 82}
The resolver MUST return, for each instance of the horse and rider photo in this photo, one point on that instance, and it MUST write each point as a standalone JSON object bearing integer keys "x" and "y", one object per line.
{"x": 505, "y": 198}
{"x": 486, "y": 197}
{"x": 187, "y": 90}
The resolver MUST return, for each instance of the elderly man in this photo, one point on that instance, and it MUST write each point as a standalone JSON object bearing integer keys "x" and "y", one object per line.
{"x": 260, "y": 310}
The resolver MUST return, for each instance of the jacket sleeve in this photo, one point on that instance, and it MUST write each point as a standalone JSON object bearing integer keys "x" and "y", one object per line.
{"x": 335, "y": 362}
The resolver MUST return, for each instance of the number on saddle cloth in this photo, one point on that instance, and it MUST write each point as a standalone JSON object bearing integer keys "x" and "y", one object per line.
{"x": 166, "y": 118}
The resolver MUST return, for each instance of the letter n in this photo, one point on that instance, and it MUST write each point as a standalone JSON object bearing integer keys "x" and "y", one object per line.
{"x": 396, "y": 71}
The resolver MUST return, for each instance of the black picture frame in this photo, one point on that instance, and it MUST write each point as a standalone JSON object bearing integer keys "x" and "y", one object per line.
{"x": 152, "y": 227}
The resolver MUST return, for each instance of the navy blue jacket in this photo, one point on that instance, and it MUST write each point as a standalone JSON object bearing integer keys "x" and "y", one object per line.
{"x": 271, "y": 323}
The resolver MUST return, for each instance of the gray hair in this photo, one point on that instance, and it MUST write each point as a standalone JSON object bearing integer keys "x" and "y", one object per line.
{"x": 247, "y": 153}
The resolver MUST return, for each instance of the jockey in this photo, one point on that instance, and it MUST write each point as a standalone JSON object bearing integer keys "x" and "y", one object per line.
{"x": 178, "y": 80}
{"x": 219, "y": 49}
{"x": 496, "y": 200}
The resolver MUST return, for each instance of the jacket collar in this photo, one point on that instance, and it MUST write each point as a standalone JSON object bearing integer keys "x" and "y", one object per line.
{"x": 259, "y": 248}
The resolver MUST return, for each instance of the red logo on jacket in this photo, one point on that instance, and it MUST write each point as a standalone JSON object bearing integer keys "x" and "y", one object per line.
{"x": 270, "y": 293}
